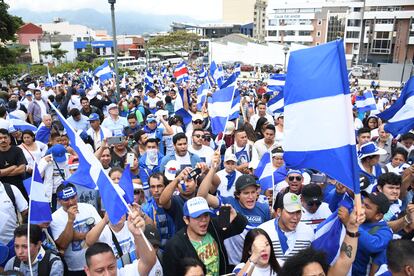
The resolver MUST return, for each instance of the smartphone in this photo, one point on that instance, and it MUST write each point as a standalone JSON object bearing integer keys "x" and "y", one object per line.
{"x": 114, "y": 140}
{"x": 194, "y": 173}
{"x": 224, "y": 217}
{"x": 130, "y": 159}
{"x": 318, "y": 178}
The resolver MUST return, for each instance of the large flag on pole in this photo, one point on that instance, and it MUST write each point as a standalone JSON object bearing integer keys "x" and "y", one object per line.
{"x": 276, "y": 104}
{"x": 400, "y": 115}
{"x": 90, "y": 174}
{"x": 103, "y": 72}
{"x": 220, "y": 108}
{"x": 325, "y": 110}
{"x": 39, "y": 201}
{"x": 264, "y": 172}
{"x": 276, "y": 82}
{"x": 365, "y": 102}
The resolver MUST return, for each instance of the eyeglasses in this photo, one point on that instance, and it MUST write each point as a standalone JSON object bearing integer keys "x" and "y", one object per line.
{"x": 312, "y": 203}
{"x": 198, "y": 135}
{"x": 207, "y": 137}
{"x": 198, "y": 122}
{"x": 297, "y": 178}
{"x": 137, "y": 192}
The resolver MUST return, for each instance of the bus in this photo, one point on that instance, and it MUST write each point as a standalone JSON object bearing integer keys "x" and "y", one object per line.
{"x": 132, "y": 64}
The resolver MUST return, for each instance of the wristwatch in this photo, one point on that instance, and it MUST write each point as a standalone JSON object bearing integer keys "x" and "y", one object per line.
{"x": 353, "y": 234}
{"x": 90, "y": 221}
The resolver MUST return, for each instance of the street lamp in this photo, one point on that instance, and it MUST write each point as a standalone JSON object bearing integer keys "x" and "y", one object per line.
{"x": 285, "y": 51}
{"x": 112, "y": 2}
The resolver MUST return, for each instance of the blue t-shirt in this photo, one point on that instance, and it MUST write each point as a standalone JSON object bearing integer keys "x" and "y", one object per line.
{"x": 176, "y": 211}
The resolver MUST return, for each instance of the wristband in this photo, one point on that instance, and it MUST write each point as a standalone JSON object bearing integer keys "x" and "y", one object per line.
{"x": 353, "y": 235}
{"x": 406, "y": 220}
{"x": 252, "y": 262}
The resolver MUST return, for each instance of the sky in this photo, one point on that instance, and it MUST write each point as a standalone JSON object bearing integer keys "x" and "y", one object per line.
{"x": 198, "y": 9}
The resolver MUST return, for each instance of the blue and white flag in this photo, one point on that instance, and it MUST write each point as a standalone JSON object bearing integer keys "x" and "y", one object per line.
{"x": 365, "y": 102}
{"x": 219, "y": 108}
{"x": 216, "y": 74}
{"x": 90, "y": 174}
{"x": 103, "y": 72}
{"x": 50, "y": 81}
{"x": 20, "y": 125}
{"x": 237, "y": 69}
{"x": 330, "y": 233}
{"x": 231, "y": 81}
{"x": 276, "y": 104}
{"x": 235, "y": 106}
{"x": 264, "y": 172}
{"x": 400, "y": 116}
{"x": 126, "y": 185}
{"x": 318, "y": 101}
{"x": 88, "y": 81}
{"x": 179, "y": 108}
{"x": 149, "y": 81}
{"x": 203, "y": 73}
{"x": 39, "y": 205}
{"x": 276, "y": 82}
{"x": 202, "y": 91}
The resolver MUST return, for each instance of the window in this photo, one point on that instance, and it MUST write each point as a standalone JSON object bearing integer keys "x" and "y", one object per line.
{"x": 352, "y": 34}
{"x": 354, "y": 22}
{"x": 357, "y": 9}
{"x": 319, "y": 21}
{"x": 272, "y": 33}
{"x": 384, "y": 21}
{"x": 273, "y": 22}
{"x": 304, "y": 33}
{"x": 382, "y": 35}
{"x": 318, "y": 34}
{"x": 290, "y": 33}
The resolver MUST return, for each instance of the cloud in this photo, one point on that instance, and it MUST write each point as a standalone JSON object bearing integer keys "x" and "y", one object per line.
{"x": 198, "y": 9}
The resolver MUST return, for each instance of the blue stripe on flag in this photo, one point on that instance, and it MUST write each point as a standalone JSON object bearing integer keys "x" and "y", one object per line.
{"x": 39, "y": 201}
{"x": 220, "y": 108}
{"x": 264, "y": 172}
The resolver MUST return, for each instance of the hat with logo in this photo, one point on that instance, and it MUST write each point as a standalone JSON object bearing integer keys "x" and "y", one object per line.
{"x": 291, "y": 202}
{"x": 370, "y": 149}
{"x": 29, "y": 93}
{"x": 59, "y": 153}
{"x": 378, "y": 199}
{"x": 312, "y": 192}
{"x": 67, "y": 192}
{"x": 151, "y": 118}
{"x": 230, "y": 157}
{"x": 195, "y": 207}
{"x": 73, "y": 162}
{"x": 93, "y": 117}
{"x": 245, "y": 181}
{"x": 171, "y": 169}
{"x": 152, "y": 235}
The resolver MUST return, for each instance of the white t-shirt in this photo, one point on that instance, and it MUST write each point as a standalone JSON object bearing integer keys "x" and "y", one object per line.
{"x": 184, "y": 161}
{"x": 33, "y": 157}
{"x": 168, "y": 139}
{"x": 205, "y": 153}
{"x": 313, "y": 220}
{"x": 75, "y": 253}
{"x": 257, "y": 271}
{"x": 7, "y": 214}
{"x": 124, "y": 238}
{"x": 42, "y": 107}
{"x": 222, "y": 188}
{"x": 132, "y": 269}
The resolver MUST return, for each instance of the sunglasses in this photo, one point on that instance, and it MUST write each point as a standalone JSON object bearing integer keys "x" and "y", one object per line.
{"x": 137, "y": 192}
{"x": 207, "y": 137}
{"x": 297, "y": 178}
{"x": 197, "y": 122}
{"x": 198, "y": 135}
{"x": 312, "y": 203}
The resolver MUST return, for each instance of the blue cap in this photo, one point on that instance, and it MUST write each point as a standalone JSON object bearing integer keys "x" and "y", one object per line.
{"x": 151, "y": 118}
{"x": 59, "y": 153}
{"x": 294, "y": 171}
{"x": 67, "y": 192}
{"x": 195, "y": 207}
{"x": 93, "y": 117}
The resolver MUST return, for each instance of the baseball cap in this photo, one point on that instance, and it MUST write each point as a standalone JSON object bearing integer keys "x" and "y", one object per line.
{"x": 171, "y": 169}
{"x": 195, "y": 207}
{"x": 152, "y": 235}
{"x": 67, "y": 192}
{"x": 151, "y": 118}
{"x": 378, "y": 199}
{"x": 230, "y": 126}
{"x": 244, "y": 181}
{"x": 112, "y": 105}
{"x": 370, "y": 149}
{"x": 197, "y": 117}
{"x": 312, "y": 192}
{"x": 291, "y": 202}
{"x": 294, "y": 171}
{"x": 230, "y": 157}
{"x": 93, "y": 117}
{"x": 58, "y": 152}
{"x": 29, "y": 93}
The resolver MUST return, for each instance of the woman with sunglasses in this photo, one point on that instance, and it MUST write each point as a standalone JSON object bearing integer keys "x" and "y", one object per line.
{"x": 258, "y": 257}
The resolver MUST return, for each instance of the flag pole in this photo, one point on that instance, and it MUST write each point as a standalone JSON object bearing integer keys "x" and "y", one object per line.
{"x": 227, "y": 119}
{"x": 28, "y": 228}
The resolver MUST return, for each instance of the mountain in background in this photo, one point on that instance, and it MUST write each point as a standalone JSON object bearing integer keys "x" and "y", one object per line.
{"x": 126, "y": 22}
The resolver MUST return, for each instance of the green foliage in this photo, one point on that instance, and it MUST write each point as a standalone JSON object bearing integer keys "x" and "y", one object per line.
{"x": 56, "y": 52}
{"x": 88, "y": 55}
{"x": 176, "y": 41}
{"x": 9, "y": 24}
{"x": 8, "y": 72}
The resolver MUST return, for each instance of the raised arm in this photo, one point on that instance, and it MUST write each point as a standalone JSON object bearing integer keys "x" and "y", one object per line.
{"x": 66, "y": 237}
{"x": 206, "y": 184}
{"x": 166, "y": 195}
{"x": 93, "y": 235}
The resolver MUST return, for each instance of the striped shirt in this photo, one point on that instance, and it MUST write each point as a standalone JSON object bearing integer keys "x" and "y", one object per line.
{"x": 297, "y": 240}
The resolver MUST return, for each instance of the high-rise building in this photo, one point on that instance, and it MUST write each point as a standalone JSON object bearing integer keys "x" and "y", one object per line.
{"x": 259, "y": 19}
{"x": 238, "y": 11}
{"x": 374, "y": 31}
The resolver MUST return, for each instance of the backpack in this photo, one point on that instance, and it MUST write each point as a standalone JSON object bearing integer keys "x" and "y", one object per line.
{"x": 10, "y": 194}
{"x": 44, "y": 266}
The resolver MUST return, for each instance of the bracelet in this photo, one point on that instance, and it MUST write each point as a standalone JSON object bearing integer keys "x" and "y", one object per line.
{"x": 406, "y": 220}
{"x": 353, "y": 235}
{"x": 252, "y": 262}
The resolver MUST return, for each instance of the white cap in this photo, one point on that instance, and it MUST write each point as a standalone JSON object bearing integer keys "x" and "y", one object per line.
{"x": 291, "y": 202}
{"x": 230, "y": 126}
{"x": 230, "y": 157}
{"x": 197, "y": 117}
{"x": 171, "y": 169}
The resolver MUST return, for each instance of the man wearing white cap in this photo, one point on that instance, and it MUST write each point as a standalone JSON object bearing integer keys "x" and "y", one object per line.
{"x": 369, "y": 156}
{"x": 27, "y": 99}
{"x": 289, "y": 236}
{"x": 114, "y": 122}
{"x": 228, "y": 176}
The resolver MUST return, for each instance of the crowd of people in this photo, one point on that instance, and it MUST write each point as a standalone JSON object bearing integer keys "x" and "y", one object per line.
{"x": 198, "y": 207}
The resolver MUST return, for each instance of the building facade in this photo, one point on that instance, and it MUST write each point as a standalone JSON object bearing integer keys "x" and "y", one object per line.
{"x": 374, "y": 31}
{"x": 241, "y": 11}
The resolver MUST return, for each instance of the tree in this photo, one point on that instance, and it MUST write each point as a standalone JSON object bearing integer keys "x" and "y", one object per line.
{"x": 9, "y": 24}
{"x": 8, "y": 72}
{"x": 55, "y": 52}
{"x": 88, "y": 55}
{"x": 176, "y": 42}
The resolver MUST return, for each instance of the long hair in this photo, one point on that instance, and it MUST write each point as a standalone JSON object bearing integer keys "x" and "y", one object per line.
{"x": 247, "y": 248}
{"x": 295, "y": 264}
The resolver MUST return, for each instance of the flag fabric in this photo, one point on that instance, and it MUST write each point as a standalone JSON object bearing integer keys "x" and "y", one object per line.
{"x": 103, "y": 72}
{"x": 216, "y": 74}
{"x": 400, "y": 116}
{"x": 237, "y": 69}
{"x": 264, "y": 172}
{"x": 202, "y": 95}
{"x": 365, "y": 102}
{"x": 49, "y": 82}
{"x": 235, "y": 106}
{"x": 88, "y": 81}
{"x": 330, "y": 233}
{"x": 324, "y": 110}
{"x": 231, "y": 81}
{"x": 39, "y": 201}
{"x": 219, "y": 108}
{"x": 90, "y": 174}
{"x": 149, "y": 81}
{"x": 43, "y": 134}
{"x": 126, "y": 185}
{"x": 202, "y": 74}
{"x": 276, "y": 104}
{"x": 20, "y": 125}
{"x": 181, "y": 72}
{"x": 179, "y": 108}
{"x": 276, "y": 82}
